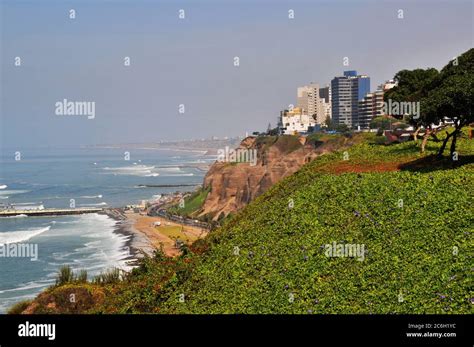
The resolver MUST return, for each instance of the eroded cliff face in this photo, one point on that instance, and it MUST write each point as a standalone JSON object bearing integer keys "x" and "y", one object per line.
{"x": 234, "y": 185}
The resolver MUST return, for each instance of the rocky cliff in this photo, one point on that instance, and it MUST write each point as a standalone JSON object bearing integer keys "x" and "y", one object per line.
{"x": 233, "y": 184}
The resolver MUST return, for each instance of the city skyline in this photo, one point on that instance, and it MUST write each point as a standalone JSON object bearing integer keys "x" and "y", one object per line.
{"x": 190, "y": 62}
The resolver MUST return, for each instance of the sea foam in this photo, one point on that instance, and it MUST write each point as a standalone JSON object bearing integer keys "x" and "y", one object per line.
{"x": 20, "y": 235}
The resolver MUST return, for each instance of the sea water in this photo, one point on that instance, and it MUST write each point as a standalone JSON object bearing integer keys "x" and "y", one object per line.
{"x": 89, "y": 177}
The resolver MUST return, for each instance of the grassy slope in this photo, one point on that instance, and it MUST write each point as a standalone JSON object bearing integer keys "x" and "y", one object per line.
{"x": 192, "y": 203}
{"x": 280, "y": 266}
{"x": 410, "y": 249}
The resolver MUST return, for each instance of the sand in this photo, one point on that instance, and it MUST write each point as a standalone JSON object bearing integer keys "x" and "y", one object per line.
{"x": 148, "y": 237}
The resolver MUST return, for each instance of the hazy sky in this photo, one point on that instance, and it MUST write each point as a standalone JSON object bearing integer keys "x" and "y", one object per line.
{"x": 191, "y": 61}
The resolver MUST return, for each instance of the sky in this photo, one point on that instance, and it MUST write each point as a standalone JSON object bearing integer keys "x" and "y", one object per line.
{"x": 190, "y": 61}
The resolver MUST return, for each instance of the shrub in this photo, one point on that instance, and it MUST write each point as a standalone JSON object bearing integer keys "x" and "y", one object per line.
{"x": 19, "y": 307}
{"x": 82, "y": 277}
{"x": 111, "y": 276}
{"x": 65, "y": 275}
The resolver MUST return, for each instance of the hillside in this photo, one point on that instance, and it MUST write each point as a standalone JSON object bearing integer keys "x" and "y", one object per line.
{"x": 411, "y": 215}
{"x": 231, "y": 186}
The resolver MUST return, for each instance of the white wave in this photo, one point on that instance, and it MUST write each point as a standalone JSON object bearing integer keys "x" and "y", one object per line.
{"x": 130, "y": 168}
{"x": 3, "y": 186}
{"x": 135, "y": 170}
{"x": 179, "y": 175}
{"x": 70, "y": 222}
{"x": 17, "y": 216}
{"x": 52, "y": 197}
{"x": 98, "y": 204}
{"x": 152, "y": 175}
{"x": 20, "y": 235}
{"x": 12, "y": 192}
{"x": 169, "y": 169}
{"x": 27, "y": 286}
{"x": 3, "y": 197}
{"x": 91, "y": 196}
{"x": 101, "y": 248}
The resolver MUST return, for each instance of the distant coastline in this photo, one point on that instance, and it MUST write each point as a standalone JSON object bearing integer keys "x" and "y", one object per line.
{"x": 202, "y": 146}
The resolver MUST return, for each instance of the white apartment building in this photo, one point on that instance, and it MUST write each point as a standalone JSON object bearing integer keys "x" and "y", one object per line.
{"x": 295, "y": 121}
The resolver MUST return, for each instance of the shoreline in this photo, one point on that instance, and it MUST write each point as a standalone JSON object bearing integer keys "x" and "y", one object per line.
{"x": 136, "y": 243}
{"x": 144, "y": 237}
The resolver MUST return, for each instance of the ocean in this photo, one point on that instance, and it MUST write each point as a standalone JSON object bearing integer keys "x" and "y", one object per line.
{"x": 86, "y": 177}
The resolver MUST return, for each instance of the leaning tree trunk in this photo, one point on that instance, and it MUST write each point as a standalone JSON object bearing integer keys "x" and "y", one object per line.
{"x": 445, "y": 142}
{"x": 425, "y": 140}
{"x": 415, "y": 134}
{"x": 453, "y": 143}
{"x": 434, "y": 136}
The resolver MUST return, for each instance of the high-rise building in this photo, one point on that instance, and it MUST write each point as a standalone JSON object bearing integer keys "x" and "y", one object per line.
{"x": 371, "y": 105}
{"x": 346, "y": 92}
{"x": 314, "y": 101}
{"x": 308, "y": 98}
{"x": 325, "y": 97}
{"x": 325, "y": 93}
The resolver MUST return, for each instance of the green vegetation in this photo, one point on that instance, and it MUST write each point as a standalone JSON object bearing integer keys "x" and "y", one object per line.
{"x": 332, "y": 126}
{"x": 192, "y": 203}
{"x": 82, "y": 276}
{"x": 175, "y": 232}
{"x": 65, "y": 275}
{"x": 412, "y": 212}
{"x": 386, "y": 123}
{"x": 420, "y": 250}
{"x": 109, "y": 277}
{"x": 447, "y": 94}
{"x": 19, "y": 307}
{"x": 285, "y": 143}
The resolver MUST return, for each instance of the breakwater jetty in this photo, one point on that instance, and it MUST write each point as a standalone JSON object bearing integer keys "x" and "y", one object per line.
{"x": 48, "y": 212}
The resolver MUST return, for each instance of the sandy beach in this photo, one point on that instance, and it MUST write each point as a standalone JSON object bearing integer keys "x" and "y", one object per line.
{"x": 146, "y": 236}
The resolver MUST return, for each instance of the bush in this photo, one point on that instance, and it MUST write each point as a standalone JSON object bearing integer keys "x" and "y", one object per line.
{"x": 19, "y": 307}
{"x": 82, "y": 277}
{"x": 65, "y": 275}
{"x": 111, "y": 276}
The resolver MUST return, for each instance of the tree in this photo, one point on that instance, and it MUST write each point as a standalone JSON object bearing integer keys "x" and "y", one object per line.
{"x": 273, "y": 132}
{"x": 327, "y": 122}
{"x": 385, "y": 123}
{"x": 445, "y": 95}
{"x": 412, "y": 86}
{"x": 451, "y": 96}
{"x": 331, "y": 125}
